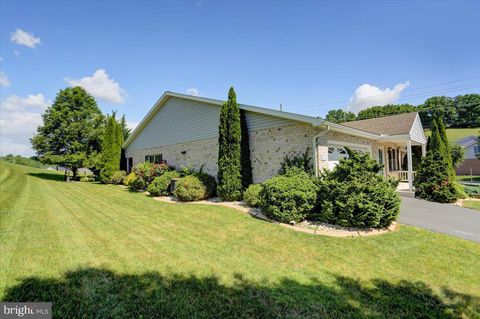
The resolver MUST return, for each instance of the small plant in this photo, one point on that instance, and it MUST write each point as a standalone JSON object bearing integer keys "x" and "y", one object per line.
{"x": 251, "y": 196}
{"x": 190, "y": 188}
{"x": 288, "y": 198}
{"x": 160, "y": 185}
{"x": 129, "y": 179}
{"x": 87, "y": 178}
{"x": 209, "y": 182}
{"x": 117, "y": 177}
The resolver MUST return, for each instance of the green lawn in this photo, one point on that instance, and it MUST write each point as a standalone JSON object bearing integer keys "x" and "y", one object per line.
{"x": 101, "y": 251}
{"x": 455, "y": 134}
{"x": 468, "y": 178}
{"x": 475, "y": 204}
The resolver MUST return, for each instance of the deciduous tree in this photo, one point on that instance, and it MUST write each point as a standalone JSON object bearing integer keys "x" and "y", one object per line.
{"x": 72, "y": 130}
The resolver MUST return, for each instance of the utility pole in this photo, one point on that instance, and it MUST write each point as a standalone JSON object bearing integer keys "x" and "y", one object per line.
{"x": 281, "y": 107}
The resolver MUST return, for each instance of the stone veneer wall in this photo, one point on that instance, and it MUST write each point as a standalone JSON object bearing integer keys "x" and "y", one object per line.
{"x": 197, "y": 153}
{"x": 268, "y": 148}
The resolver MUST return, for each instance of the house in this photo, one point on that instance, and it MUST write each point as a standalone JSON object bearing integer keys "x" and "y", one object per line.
{"x": 183, "y": 130}
{"x": 471, "y": 165}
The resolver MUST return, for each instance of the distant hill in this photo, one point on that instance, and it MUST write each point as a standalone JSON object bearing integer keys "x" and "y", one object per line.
{"x": 454, "y": 134}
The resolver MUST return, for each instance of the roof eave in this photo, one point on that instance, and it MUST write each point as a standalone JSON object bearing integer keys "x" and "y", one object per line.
{"x": 314, "y": 121}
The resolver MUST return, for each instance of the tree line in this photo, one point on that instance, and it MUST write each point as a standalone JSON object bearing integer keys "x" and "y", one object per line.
{"x": 75, "y": 133}
{"x": 459, "y": 111}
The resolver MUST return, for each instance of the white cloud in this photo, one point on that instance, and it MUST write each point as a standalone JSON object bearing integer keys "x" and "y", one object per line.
{"x": 20, "y": 117}
{"x": 4, "y": 81}
{"x": 193, "y": 91}
{"x": 16, "y": 53}
{"x": 100, "y": 86}
{"x": 368, "y": 95}
{"x": 21, "y": 37}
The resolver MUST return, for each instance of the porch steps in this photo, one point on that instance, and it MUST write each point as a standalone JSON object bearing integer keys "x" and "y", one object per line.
{"x": 406, "y": 193}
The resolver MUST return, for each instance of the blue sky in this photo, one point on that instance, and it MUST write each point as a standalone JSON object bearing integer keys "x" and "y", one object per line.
{"x": 310, "y": 56}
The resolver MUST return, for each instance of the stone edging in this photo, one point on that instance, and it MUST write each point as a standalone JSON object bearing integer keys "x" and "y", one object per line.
{"x": 254, "y": 212}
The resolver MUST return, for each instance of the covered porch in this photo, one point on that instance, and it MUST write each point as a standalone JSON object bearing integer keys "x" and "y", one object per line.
{"x": 401, "y": 155}
{"x": 397, "y": 141}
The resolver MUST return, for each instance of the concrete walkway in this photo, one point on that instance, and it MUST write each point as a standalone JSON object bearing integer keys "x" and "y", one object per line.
{"x": 443, "y": 218}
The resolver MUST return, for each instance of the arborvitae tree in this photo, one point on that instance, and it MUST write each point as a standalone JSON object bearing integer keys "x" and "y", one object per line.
{"x": 71, "y": 132}
{"x": 125, "y": 130}
{"x": 246, "y": 163}
{"x": 434, "y": 180}
{"x": 446, "y": 146}
{"x": 229, "y": 138}
{"x": 111, "y": 148}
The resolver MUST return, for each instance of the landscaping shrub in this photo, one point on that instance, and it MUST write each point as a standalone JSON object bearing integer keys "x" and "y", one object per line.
{"x": 472, "y": 191}
{"x": 251, "y": 196}
{"x": 190, "y": 188}
{"x": 353, "y": 194}
{"x": 134, "y": 182}
{"x": 433, "y": 182}
{"x": 117, "y": 177}
{"x": 87, "y": 178}
{"x": 209, "y": 182}
{"x": 129, "y": 179}
{"x": 148, "y": 171}
{"x": 160, "y": 185}
{"x": 288, "y": 198}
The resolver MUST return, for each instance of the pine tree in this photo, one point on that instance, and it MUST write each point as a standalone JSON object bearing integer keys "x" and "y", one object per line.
{"x": 229, "y": 139}
{"x": 447, "y": 149}
{"x": 111, "y": 148}
{"x": 246, "y": 163}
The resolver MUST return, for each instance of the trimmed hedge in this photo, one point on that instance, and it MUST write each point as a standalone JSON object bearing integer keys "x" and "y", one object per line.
{"x": 353, "y": 194}
{"x": 159, "y": 186}
{"x": 190, "y": 188}
{"x": 288, "y": 198}
{"x": 251, "y": 196}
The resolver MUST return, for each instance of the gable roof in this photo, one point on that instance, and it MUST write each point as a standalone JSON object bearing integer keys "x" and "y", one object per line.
{"x": 383, "y": 127}
{"x": 315, "y": 121}
{"x": 467, "y": 141}
{"x": 388, "y": 125}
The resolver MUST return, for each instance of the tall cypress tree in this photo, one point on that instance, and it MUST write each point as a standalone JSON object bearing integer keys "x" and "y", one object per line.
{"x": 229, "y": 139}
{"x": 111, "y": 148}
{"x": 246, "y": 163}
{"x": 434, "y": 180}
{"x": 446, "y": 146}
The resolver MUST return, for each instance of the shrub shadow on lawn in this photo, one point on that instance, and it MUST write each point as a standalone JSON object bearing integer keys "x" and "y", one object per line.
{"x": 100, "y": 293}
{"x": 48, "y": 176}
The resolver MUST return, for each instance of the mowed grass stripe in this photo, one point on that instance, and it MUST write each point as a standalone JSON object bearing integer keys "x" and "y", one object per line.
{"x": 235, "y": 265}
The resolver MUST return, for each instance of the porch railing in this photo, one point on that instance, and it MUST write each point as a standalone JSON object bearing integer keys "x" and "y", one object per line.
{"x": 403, "y": 175}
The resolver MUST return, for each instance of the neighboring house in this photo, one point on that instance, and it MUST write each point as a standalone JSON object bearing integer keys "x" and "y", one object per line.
{"x": 183, "y": 130}
{"x": 471, "y": 165}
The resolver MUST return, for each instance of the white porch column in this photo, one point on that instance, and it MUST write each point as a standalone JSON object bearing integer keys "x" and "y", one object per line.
{"x": 424, "y": 150}
{"x": 410, "y": 166}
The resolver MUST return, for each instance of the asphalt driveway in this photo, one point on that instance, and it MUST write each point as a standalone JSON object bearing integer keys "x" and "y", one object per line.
{"x": 443, "y": 218}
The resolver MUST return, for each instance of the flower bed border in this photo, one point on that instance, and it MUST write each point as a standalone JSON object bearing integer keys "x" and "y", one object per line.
{"x": 257, "y": 213}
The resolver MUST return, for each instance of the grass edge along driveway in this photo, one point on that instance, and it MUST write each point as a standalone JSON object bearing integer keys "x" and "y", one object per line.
{"x": 101, "y": 251}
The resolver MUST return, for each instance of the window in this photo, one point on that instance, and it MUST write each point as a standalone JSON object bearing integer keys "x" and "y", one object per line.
{"x": 154, "y": 159}
{"x": 476, "y": 149}
{"x": 380, "y": 156}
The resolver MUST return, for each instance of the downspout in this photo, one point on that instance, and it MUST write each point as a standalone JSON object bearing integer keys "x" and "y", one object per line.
{"x": 315, "y": 151}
